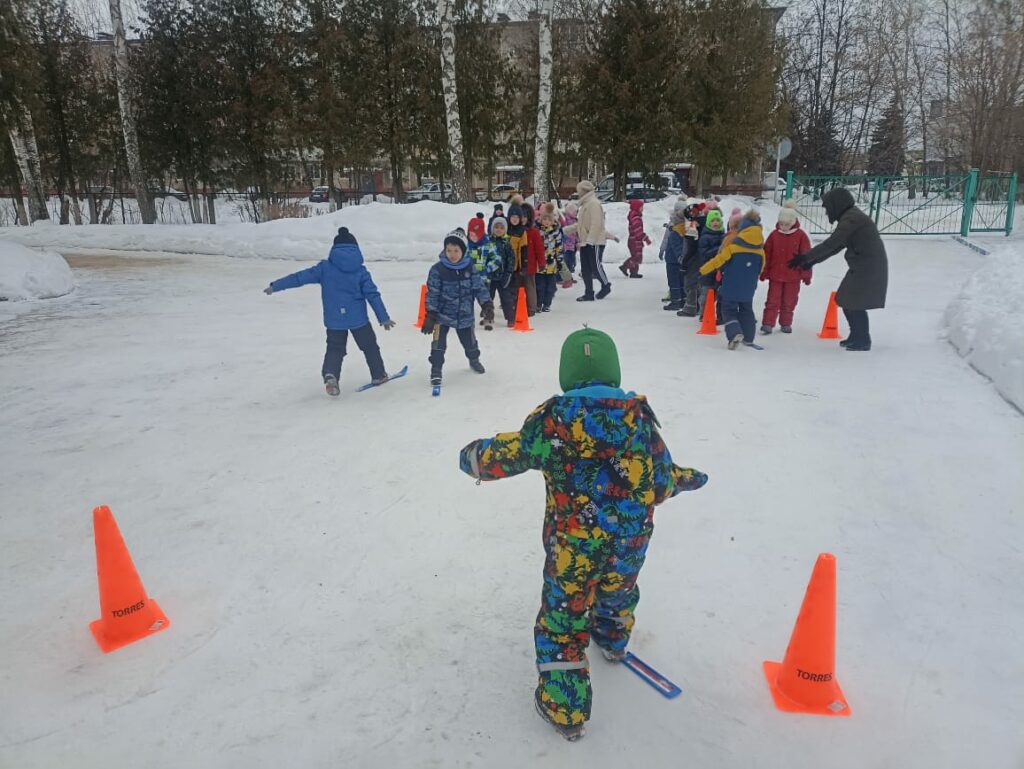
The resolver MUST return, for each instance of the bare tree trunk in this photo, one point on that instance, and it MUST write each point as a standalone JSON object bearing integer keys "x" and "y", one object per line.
{"x": 23, "y": 140}
{"x": 540, "y": 152}
{"x": 460, "y": 191}
{"x": 76, "y": 208}
{"x": 124, "y": 99}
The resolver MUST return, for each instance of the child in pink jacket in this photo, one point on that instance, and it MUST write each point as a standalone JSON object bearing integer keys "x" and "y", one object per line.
{"x": 636, "y": 240}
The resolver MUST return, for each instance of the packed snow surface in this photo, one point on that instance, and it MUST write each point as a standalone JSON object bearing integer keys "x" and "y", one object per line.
{"x": 340, "y": 595}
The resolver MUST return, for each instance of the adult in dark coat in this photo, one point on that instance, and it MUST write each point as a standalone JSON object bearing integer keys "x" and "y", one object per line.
{"x": 867, "y": 278}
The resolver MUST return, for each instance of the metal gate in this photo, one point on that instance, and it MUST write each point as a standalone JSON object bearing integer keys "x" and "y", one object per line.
{"x": 914, "y": 205}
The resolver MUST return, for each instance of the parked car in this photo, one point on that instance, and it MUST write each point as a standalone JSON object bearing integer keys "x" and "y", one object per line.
{"x": 503, "y": 192}
{"x": 430, "y": 192}
{"x": 646, "y": 194}
{"x": 320, "y": 195}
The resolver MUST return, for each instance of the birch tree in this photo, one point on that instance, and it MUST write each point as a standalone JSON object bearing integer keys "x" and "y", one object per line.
{"x": 540, "y": 161}
{"x": 460, "y": 189}
{"x": 15, "y": 56}
{"x": 23, "y": 139}
{"x": 124, "y": 98}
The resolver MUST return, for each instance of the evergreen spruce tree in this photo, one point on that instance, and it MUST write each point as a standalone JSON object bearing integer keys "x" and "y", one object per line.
{"x": 633, "y": 87}
{"x": 887, "y": 152}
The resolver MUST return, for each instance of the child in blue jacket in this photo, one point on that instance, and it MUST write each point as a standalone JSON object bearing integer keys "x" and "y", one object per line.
{"x": 605, "y": 467}
{"x": 453, "y": 285}
{"x": 741, "y": 260}
{"x": 345, "y": 288}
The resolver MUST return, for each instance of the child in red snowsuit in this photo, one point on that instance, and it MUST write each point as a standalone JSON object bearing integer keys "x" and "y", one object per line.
{"x": 785, "y": 242}
{"x": 635, "y": 242}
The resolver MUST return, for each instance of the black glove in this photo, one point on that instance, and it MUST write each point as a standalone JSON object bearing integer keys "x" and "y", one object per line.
{"x": 797, "y": 263}
{"x": 429, "y": 321}
{"x": 488, "y": 309}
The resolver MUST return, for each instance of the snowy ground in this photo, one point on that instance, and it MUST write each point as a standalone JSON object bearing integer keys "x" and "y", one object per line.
{"x": 340, "y": 595}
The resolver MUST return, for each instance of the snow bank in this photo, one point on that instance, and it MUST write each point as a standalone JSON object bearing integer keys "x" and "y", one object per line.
{"x": 985, "y": 321}
{"x": 29, "y": 274}
{"x": 409, "y": 232}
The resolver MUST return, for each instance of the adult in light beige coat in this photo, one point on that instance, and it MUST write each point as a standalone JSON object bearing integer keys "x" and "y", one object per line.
{"x": 589, "y": 229}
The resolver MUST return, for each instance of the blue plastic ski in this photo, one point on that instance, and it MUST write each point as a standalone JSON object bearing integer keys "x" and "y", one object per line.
{"x": 751, "y": 344}
{"x": 435, "y": 390}
{"x": 399, "y": 375}
{"x": 665, "y": 687}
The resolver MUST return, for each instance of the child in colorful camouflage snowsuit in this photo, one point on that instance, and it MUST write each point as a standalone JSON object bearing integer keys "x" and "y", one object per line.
{"x": 484, "y": 253}
{"x": 547, "y": 276}
{"x": 453, "y": 287}
{"x": 569, "y": 240}
{"x": 502, "y": 280}
{"x": 606, "y": 468}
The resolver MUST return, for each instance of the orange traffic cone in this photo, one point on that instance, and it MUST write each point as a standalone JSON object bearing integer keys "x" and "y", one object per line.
{"x": 522, "y": 316}
{"x": 805, "y": 681}
{"x": 423, "y": 307}
{"x": 126, "y": 612}
{"x": 707, "y": 325}
{"x": 830, "y": 328}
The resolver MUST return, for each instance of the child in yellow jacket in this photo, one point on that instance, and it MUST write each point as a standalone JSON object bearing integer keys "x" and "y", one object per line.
{"x": 741, "y": 260}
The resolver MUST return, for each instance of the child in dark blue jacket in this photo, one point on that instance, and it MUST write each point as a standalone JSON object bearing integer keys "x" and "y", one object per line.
{"x": 452, "y": 288}
{"x": 708, "y": 244}
{"x": 345, "y": 288}
{"x": 741, "y": 260}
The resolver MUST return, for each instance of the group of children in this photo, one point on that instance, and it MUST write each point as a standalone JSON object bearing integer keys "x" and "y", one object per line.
{"x": 702, "y": 251}
{"x": 508, "y": 257}
{"x": 523, "y": 255}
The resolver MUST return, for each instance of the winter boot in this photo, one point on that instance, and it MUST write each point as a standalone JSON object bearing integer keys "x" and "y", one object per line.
{"x": 623, "y": 270}
{"x": 766, "y": 330}
{"x": 585, "y": 298}
{"x": 614, "y": 656}
{"x": 571, "y": 733}
{"x": 844, "y": 342}
{"x": 786, "y": 329}
{"x": 687, "y": 312}
{"x": 636, "y": 275}
{"x": 673, "y": 306}
{"x": 331, "y": 384}
{"x": 863, "y": 347}
{"x": 380, "y": 380}
{"x": 477, "y": 366}
{"x": 735, "y": 341}
{"x": 605, "y": 290}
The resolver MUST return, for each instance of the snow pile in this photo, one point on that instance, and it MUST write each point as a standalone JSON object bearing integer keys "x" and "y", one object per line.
{"x": 29, "y": 274}
{"x": 985, "y": 321}
{"x": 386, "y": 232}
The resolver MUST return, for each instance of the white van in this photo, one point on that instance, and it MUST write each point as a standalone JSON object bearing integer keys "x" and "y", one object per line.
{"x": 635, "y": 180}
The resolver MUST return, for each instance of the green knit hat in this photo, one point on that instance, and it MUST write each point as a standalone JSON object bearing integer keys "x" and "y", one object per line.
{"x": 588, "y": 355}
{"x": 714, "y": 220}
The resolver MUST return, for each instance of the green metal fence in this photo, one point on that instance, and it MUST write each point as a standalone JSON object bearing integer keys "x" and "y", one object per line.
{"x": 914, "y": 205}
